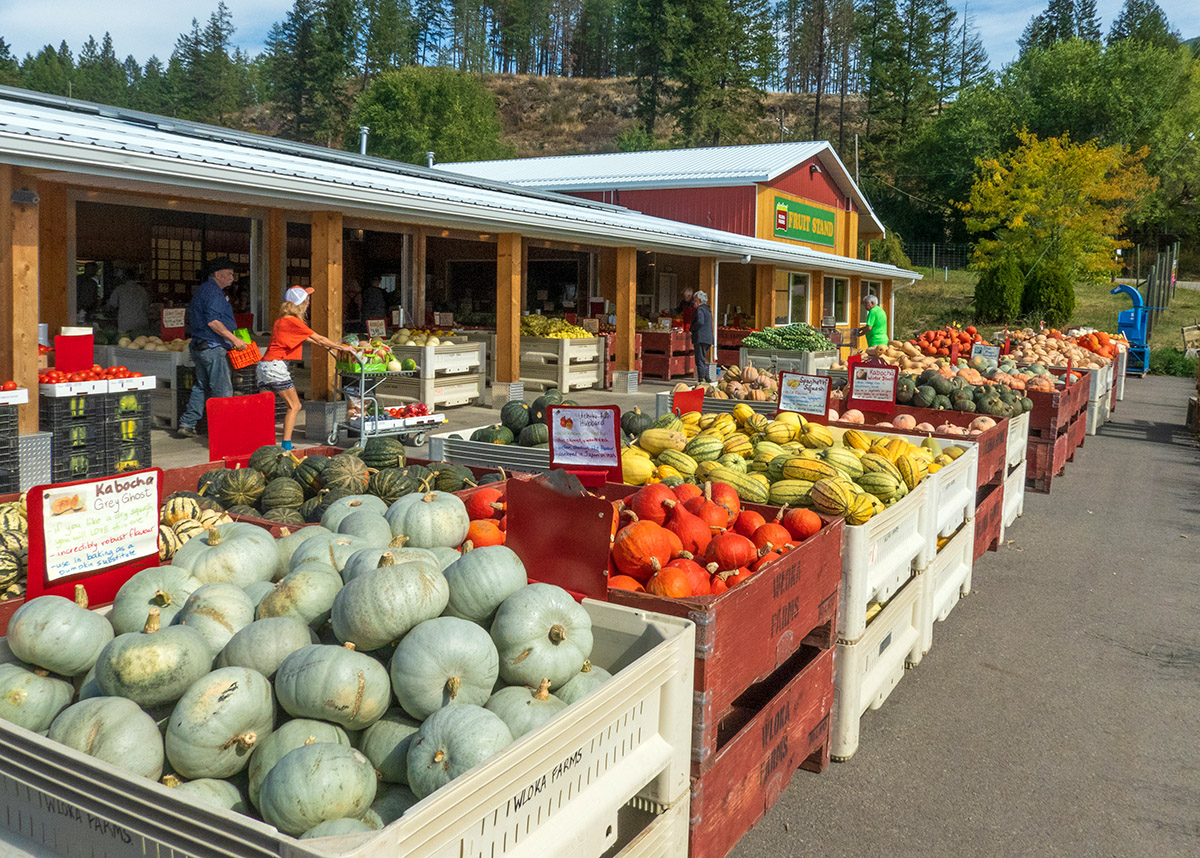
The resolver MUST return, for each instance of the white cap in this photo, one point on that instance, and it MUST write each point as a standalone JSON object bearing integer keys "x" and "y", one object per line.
{"x": 297, "y": 294}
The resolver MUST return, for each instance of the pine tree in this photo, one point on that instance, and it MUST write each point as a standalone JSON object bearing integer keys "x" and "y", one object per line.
{"x": 595, "y": 39}
{"x": 1057, "y": 24}
{"x": 945, "y": 49}
{"x": 182, "y": 70}
{"x": 789, "y": 15}
{"x": 294, "y": 67}
{"x": 844, "y": 46}
{"x": 429, "y": 22}
{"x": 1143, "y": 21}
{"x": 99, "y": 76}
{"x": 814, "y": 27}
{"x": 649, "y": 29}
{"x": 388, "y": 37}
{"x": 10, "y": 69}
{"x": 881, "y": 49}
{"x": 213, "y": 72}
{"x": 47, "y": 72}
{"x": 1087, "y": 21}
{"x": 154, "y": 90}
{"x": 972, "y": 56}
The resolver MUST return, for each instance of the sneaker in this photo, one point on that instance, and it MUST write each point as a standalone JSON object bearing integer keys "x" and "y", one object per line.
{"x": 186, "y": 431}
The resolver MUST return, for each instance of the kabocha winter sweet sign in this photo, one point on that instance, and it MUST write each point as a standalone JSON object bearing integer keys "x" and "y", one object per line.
{"x": 91, "y": 526}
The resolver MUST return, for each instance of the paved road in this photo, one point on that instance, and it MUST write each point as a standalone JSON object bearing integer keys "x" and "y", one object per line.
{"x": 1057, "y": 712}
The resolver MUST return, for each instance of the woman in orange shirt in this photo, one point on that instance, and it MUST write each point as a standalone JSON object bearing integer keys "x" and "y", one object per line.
{"x": 287, "y": 341}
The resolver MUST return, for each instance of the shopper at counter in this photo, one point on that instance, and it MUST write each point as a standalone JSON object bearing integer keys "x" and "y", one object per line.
{"x": 132, "y": 304}
{"x": 287, "y": 340}
{"x": 687, "y": 308}
{"x": 211, "y": 326}
{"x": 87, "y": 292}
{"x": 702, "y": 333}
{"x": 373, "y": 302}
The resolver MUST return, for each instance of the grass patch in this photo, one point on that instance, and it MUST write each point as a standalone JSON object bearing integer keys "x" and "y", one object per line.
{"x": 1168, "y": 361}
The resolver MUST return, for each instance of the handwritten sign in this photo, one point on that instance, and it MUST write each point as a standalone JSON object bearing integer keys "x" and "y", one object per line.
{"x": 804, "y": 394}
{"x": 376, "y": 327}
{"x": 986, "y": 351}
{"x": 396, "y": 317}
{"x": 173, "y": 317}
{"x": 872, "y": 388}
{"x": 443, "y": 320}
{"x": 91, "y": 526}
{"x": 584, "y": 437}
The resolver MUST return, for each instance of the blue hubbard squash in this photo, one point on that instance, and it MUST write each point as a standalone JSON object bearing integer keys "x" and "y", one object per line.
{"x": 381, "y": 606}
{"x": 112, "y": 729}
{"x": 386, "y": 742}
{"x": 155, "y": 666}
{"x": 59, "y": 635}
{"x": 541, "y": 633}
{"x": 523, "y": 709}
{"x": 452, "y": 741}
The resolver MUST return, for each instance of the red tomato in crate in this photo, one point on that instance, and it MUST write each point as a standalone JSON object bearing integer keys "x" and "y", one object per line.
{"x": 8, "y": 385}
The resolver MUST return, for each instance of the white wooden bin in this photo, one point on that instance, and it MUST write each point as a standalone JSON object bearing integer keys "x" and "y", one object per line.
{"x": 558, "y": 791}
{"x": 870, "y": 668}
{"x": 947, "y": 579}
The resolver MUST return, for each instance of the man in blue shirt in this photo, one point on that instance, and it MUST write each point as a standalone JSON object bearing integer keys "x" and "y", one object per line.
{"x": 211, "y": 326}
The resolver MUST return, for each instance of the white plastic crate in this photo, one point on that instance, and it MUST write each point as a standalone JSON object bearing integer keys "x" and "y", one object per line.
{"x": 952, "y": 492}
{"x": 559, "y": 791}
{"x": 947, "y": 579}
{"x": 161, "y": 364}
{"x": 782, "y": 360}
{"x": 869, "y": 669}
{"x": 446, "y": 358}
{"x": 480, "y": 454}
{"x": 1018, "y": 439}
{"x": 1097, "y": 414}
{"x": 1014, "y": 499}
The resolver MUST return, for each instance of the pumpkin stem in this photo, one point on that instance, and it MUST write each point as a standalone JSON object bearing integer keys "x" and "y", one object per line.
{"x": 170, "y": 781}
{"x": 214, "y": 536}
{"x": 766, "y": 549}
{"x": 782, "y": 510}
{"x": 41, "y": 671}
{"x": 429, "y": 498}
{"x": 244, "y": 741}
{"x": 467, "y": 546}
{"x": 632, "y": 514}
{"x": 310, "y": 740}
{"x": 454, "y": 685}
{"x": 439, "y": 756}
{"x": 587, "y": 666}
{"x": 348, "y": 645}
{"x": 283, "y": 531}
{"x": 398, "y": 541}
{"x": 543, "y": 690}
{"x": 712, "y": 568}
{"x": 708, "y": 491}
{"x": 161, "y": 598}
{"x": 654, "y": 564}
{"x": 354, "y": 503}
{"x": 670, "y": 504}
{"x": 687, "y": 555}
{"x": 557, "y": 634}
{"x": 153, "y": 622}
{"x": 81, "y": 597}
{"x": 387, "y": 558}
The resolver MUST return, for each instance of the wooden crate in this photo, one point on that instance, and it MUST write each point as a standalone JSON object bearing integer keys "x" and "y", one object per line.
{"x": 667, "y": 367}
{"x": 728, "y": 357}
{"x": 745, "y": 634}
{"x": 1047, "y": 458}
{"x": 989, "y": 519}
{"x": 1053, "y": 411}
{"x": 731, "y": 338}
{"x": 781, "y": 725}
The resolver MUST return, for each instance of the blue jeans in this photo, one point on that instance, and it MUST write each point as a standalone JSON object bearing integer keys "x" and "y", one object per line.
{"x": 702, "y": 360}
{"x": 213, "y": 378}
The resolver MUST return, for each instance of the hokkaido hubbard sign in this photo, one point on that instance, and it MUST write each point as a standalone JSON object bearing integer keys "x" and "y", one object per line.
{"x": 802, "y": 222}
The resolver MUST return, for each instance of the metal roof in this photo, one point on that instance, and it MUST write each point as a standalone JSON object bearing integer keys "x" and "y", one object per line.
{"x": 716, "y": 166}
{"x": 164, "y": 155}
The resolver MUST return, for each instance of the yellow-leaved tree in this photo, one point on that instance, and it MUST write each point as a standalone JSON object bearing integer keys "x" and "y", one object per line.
{"x": 1050, "y": 213}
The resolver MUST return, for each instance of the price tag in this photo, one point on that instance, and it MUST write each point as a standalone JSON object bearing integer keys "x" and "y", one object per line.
{"x": 985, "y": 351}
{"x": 100, "y": 530}
{"x": 873, "y": 388}
{"x": 443, "y": 320}
{"x": 376, "y": 327}
{"x": 396, "y": 317}
{"x": 173, "y": 317}
{"x": 804, "y": 394}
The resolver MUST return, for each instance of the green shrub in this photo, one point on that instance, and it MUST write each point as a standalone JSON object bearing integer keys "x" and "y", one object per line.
{"x": 1049, "y": 294}
{"x": 889, "y": 250}
{"x": 1173, "y": 362}
{"x": 999, "y": 290}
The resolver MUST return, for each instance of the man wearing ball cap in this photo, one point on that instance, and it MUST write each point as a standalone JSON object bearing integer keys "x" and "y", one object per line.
{"x": 288, "y": 337}
{"x": 211, "y": 326}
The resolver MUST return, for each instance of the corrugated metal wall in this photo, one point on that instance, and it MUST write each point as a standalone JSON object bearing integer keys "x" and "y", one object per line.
{"x": 728, "y": 209}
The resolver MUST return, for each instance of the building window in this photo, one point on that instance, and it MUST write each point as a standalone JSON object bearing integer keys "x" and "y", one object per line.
{"x": 791, "y": 297}
{"x": 872, "y": 287}
{"x": 837, "y": 300}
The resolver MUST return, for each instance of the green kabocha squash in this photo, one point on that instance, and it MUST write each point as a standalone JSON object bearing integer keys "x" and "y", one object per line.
{"x": 480, "y": 580}
{"x": 289, "y": 516}
{"x": 583, "y": 683}
{"x": 306, "y": 595}
{"x": 264, "y": 644}
{"x": 343, "y": 507}
{"x": 218, "y": 721}
{"x": 163, "y": 587}
{"x": 332, "y": 548}
{"x": 346, "y": 473}
{"x": 370, "y": 559}
{"x": 309, "y": 509}
{"x": 243, "y": 510}
{"x": 217, "y": 611}
{"x": 522, "y": 709}
{"x": 241, "y": 486}
{"x": 112, "y": 729}
{"x": 537, "y": 411}
{"x": 496, "y": 434}
{"x": 371, "y": 526}
{"x": 514, "y": 416}
{"x": 290, "y": 736}
{"x": 282, "y": 493}
{"x": 308, "y": 473}
{"x": 236, "y": 553}
{"x": 273, "y": 461}
{"x": 30, "y": 697}
{"x": 635, "y": 422}
{"x": 338, "y": 828}
{"x": 314, "y": 784}
{"x": 452, "y": 741}
{"x": 385, "y": 743}
{"x": 534, "y": 434}
{"x": 541, "y": 633}
{"x": 416, "y": 478}
{"x": 430, "y": 519}
{"x": 208, "y": 484}
{"x": 213, "y": 793}
{"x": 155, "y": 666}
{"x": 443, "y": 661}
{"x": 334, "y": 684}
{"x": 392, "y": 801}
{"x": 287, "y": 543}
{"x": 59, "y": 635}
{"x": 384, "y": 452}
{"x": 381, "y": 606}
{"x": 387, "y": 485}
{"x": 452, "y": 478}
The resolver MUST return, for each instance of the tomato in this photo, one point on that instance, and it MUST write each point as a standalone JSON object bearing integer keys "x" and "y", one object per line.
{"x": 8, "y": 385}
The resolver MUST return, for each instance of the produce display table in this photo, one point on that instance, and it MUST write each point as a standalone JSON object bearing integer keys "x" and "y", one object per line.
{"x": 779, "y": 360}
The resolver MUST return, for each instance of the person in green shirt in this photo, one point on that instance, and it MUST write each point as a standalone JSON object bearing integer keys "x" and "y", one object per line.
{"x": 876, "y": 327}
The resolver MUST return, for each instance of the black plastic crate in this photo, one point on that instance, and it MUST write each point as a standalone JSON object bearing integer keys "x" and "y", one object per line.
{"x": 185, "y": 377}
{"x": 77, "y": 465}
{"x": 128, "y": 457}
{"x": 131, "y": 402}
{"x": 58, "y": 410}
{"x": 10, "y": 480}
{"x": 8, "y": 421}
{"x": 81, "y": 435}
{"x": 129, "y": 429}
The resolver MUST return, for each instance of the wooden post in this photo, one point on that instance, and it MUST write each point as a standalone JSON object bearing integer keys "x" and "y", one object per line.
{"x": 53, "y": 263}
{"x": 418, "y": 281}
{"x": 327, "y": 297}
{"x": 510, "y": 277}
{"x": 608, "y": 274}
{"x": 19, "y": 292}
{"x": 707, "y": 281}
{"x": 626, "y": 284}
{"x": 816, "y": 298}
{"x": 276, "y": 261}
{"x": 885, "y": 301}
{"x": 764, "y": 296}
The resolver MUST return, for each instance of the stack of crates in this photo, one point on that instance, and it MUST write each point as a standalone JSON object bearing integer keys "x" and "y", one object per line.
{"x": 76, "y": 425}
{"x": 127, "y": 423}
{"x": 10, "y": 452}
{"x": 245, "y": 383}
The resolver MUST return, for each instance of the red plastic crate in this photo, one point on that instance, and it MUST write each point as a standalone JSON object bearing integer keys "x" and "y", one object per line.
{"x": 731, "y": 338}
{"x": 668, "y": 367}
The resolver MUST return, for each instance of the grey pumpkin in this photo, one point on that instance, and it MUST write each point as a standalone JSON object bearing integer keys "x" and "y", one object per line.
{"x": 218, "y": 722}
{"x": 338, "y": 828}
{"x": 391, "y": 801}
{"x": 30, "y": 697}
{"x": 217, "y": 611}
{"x": 524, "y": 709}
{"x": 541, "y": 633}
{"x": 385, "y": 743}
{"x": 317, "y": 783}
{"x": 289, "y": 541}
{"x": 370, "y": 559}
{"x": 583, "y": 683}
{"x": 264, "y": 644}
{"x": 164, "y": 587}
{"x": 481, "y": 579}
{"x": 290, "y": 736}
{"x": 430, "y": 519}
{"x": 112, "y": 729}
{"x": 368, "y": 525}
{"x": 212, "y": 792}
{"x": 383, "y": 605}
{"x": 306, "y": 594}
{"x": 333, "y": 683}
{"x": 59, "y": 635}
{"x": 342, "y": 507}
{"x": 236, "y": 553}
{"x": 155, "y": 666}
{"x": 334, "y": 549}
{"x": 443, "y": 661}
{"x": 452, "y": 741}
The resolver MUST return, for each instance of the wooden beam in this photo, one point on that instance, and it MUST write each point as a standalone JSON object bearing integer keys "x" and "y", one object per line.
{"x": 764, "y": 295}
{"x": 707, "y": 282}
{"x": 626, "y": 286}
{"x": 327, "y": 297}
{"x": 816, "y": 298}
{"x": 19, "y": 292}
{"x": 418, "y": 280}
{"x": 276, "y": 261}
{"x": 54, "y": 265}
{"x": 608, "y": 274}
{"x": 510, "y": 275}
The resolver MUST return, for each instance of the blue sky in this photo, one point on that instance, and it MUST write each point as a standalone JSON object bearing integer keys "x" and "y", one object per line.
{"x": 145, "y": 27}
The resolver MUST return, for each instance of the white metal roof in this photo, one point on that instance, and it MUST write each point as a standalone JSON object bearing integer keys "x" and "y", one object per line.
{"x": 86, "y": 142}
{"x": 717, "y": 166}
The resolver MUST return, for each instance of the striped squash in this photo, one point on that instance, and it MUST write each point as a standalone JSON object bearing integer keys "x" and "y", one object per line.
{"x": 856, "y": 439}
{"x": 861, "y": 510}
{"x": 684, "y": 464}
{"x": 911, "y": 470}
{"x": 704, "y": 469}
{"x": 775, "y": 467}
{"x": 815, "y": 435}
{"x": 741, "y": 413}
{"x": 844, "y": 461}
{"x": 188, "y": 528}
{"x": 740, "y": 445}
{"x": 790, "y": 492}
{"x": 177, "y": 508}
{"x": 810, "y": 470}
{"x": 666, "y": 472}
{"x": 705, "y": 448}
{"x": 12, "y": 519}
{"x": 874, "y": 462}
{"x": 734, "y": 462}
{"x": 897, "y": 447}
{"x": 757, "y": 422}
{"x": 883, "y": 486}
{"x": 654, "y": 441}
{"x": 668, "y": 421}
{"x": 779, "y": 432}
{"x": 748, "y": 488}
{"x": 832, "y": 496}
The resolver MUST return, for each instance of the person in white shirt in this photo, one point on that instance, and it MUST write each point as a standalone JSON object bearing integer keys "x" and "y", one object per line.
{"x": 132, "y": 304}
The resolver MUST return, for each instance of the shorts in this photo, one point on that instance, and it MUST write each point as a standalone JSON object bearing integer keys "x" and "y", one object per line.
{"x": 273, "y": 375}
